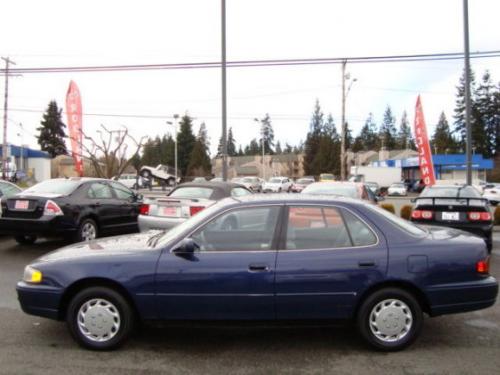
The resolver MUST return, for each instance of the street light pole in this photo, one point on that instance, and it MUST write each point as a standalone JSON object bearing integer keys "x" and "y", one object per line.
{"x": 263, "y": 150}
{"x": 467, "y": 93}
{"x": 175, "y": 116}
{"x": 345, "y": 93}
{"x": 224, "y": 95}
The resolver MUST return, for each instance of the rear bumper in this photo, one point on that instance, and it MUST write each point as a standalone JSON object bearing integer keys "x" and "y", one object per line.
{"x": 43, "y": 226}
{"x": 39, "y": 300}
{"x": 156, "y": 222}
{"x": 462, "y": 297}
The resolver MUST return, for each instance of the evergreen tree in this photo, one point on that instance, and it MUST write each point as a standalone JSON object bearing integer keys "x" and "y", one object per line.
{"x": 288, "y": 149}
{"x": 405, "y": 139}
{"x": 442, "y": 141}
{"x": 369, "y": 135}
{"x": 459, "y": 112}
{"x": 203, "y": 136}
{"x": 240, "y": 151}
{"x": 268, "y": 133}
{"x": 51, "y": 137}
{"x": 231, "y": 146}
{"x": 388, "y": 130}
{"x": 313, "y": 140}
{"x": 486, "y": 135}
{"x": 253, "y": 148}
{"x": 199, "y": 161}
{"x": 279, "y": 151}
{"x": 150, "y": 155}
{"x": 166, "y": 149}
{"x": 185, "y": 143}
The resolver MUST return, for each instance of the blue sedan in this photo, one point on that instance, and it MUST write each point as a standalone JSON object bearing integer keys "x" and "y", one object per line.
{"x": 265, "y": 258}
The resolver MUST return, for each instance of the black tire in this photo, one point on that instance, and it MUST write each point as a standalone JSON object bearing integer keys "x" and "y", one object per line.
{"x": 145, "y": 173}
{"x": 25, "y": 239}
{"x": 171, "y": 182}
{"x": 134, "y": 186}
{"x": 83, "y": 228}
{"x": 406, "y": 301}
{"x": 108, "y": 300}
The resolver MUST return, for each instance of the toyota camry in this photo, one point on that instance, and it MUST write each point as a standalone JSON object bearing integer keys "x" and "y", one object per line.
{"x": 265, "y": 258}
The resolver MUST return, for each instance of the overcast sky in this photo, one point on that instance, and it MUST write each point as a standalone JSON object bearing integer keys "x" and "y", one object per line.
{"x": 71, "y": 33}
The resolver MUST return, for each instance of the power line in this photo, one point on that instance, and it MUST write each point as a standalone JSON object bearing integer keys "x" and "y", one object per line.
{"x": 260, "y": 63}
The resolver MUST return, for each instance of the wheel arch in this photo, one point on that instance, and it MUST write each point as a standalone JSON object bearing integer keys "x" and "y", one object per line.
{"x": 82, "y": 284}
{"x": 400, "y": 284}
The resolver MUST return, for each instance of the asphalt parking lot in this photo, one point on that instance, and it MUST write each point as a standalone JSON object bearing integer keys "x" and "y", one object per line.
{"x": 457, "y": 344}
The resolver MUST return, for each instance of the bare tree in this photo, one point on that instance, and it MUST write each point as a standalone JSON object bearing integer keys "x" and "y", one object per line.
{"x": 107, "y": 152}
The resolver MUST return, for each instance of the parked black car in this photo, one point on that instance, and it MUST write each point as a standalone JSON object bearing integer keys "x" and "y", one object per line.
{"x": 79, "y": 209}
{"x": 456, "y": 206}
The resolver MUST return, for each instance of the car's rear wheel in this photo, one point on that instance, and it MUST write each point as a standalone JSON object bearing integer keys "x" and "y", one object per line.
{"x": 25, "y": 239}
{"x": 87, "y": 231}
{"x": 99, "y": 318}
{"x": 145, "y": 173}
{"x": 390, "y": 319}
{"x": 171, "y": 182}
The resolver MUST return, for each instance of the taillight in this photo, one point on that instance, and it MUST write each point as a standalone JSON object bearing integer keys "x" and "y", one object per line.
{"x": 479, "y": 216}
{"x": 52, "y": 209}
{"x": 422, "y": 214}
{"x": 483, "y": 266}
{"x": 193, "y": 210}
{"x": 144, "y": 209}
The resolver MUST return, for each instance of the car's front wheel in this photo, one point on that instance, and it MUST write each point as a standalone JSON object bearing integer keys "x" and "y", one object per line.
{"x": 87, "y": 230}
{"x": 99, "y": 318}
{"x": 390, "y": 319}
{"x": 25, "y": 239}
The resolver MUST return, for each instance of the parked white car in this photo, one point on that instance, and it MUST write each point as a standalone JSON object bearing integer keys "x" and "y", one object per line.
{"x": 492, "y": 193}
{"x": 277, "y": 185}
{"x": 130, "y": 180}
{"x": 398, "y": 188}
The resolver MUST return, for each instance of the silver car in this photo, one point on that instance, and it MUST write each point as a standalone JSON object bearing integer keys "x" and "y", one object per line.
{"x": 252, "y": 183}
{"x": 185, "y": 201}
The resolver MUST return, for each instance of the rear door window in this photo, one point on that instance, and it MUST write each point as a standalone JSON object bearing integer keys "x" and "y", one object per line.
{"x": 99, "y": 190}
{"x": 361, "y": 234}
{"x": 315, "y": 228}
{"x": 121, "y": 191}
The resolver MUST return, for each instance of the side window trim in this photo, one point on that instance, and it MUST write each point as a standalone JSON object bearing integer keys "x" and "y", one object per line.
{"x": 284, "y": 229}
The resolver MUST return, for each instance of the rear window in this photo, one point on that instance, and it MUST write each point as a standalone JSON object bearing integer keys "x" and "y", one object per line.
{"x": 342, "y": 190}
{"x": 192, "y": 192}
{"x": 397, "y": 221}
{"x": 63, "y": 187}
{"x": 275, "y": 180}
{"x": 450, "y": 192}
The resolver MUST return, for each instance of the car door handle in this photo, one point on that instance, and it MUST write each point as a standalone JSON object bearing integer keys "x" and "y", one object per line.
{"x": 258, "y": 267}
{"x": 366, "y": 263}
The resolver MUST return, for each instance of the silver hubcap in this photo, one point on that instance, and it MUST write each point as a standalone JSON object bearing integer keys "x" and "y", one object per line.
{"x": 98, "y": 320}
{"x": 391, "y": 320}
{"x": 88, "y": 232}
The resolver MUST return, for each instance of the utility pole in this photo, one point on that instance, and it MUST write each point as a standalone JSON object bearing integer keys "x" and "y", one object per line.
{"x": 342, "y": 144}
{"x": 224, "y": 95}
{"x": 5, "y": 108}
{"x": 468, "y": 144}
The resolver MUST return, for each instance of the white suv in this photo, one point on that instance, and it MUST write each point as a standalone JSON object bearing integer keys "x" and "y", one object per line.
{"x": 277, "y": 185}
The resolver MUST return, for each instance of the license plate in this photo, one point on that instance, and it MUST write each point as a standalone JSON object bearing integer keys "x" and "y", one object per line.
{"x": 22, "y": 205}
{"x": 168, "y": 211}
{"x": 455, "y": 216}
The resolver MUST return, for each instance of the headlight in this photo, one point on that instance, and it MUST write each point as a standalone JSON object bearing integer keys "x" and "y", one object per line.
{"x": 32, "y": 275}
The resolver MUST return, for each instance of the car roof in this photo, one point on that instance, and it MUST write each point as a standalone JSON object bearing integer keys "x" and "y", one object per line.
{"x": 285, "y": 198}
{"x": 338, "y": 183}
{"x": 223, "y": 188}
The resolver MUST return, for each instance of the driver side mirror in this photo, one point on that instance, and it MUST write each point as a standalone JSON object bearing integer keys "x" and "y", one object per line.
{"x": 187, "y": 246}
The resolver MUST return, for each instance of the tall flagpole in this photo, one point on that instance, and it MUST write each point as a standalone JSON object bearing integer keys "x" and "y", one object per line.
{"x": 468, "y": 144}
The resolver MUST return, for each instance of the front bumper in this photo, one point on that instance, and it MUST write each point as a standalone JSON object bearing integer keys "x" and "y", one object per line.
{"x": 40, "y": 300}
{"x": 157, "y": 222}
{"x": 462, "y": 297}
{"x": 43, "y": 226}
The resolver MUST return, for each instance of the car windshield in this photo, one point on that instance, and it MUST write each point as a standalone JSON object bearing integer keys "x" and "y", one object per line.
{"x": 192, "y": 192}
{"x": 275, "y": 180}
{"x": 450, "y": 192}
{"x": 397, "y": 221}
{"x": 398, "y": 185}
{"x": 321, "y": 189}
{"x": 305, "y": 181}
{"x": 56, "y": 186}
{"x": 163, "y": 238}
